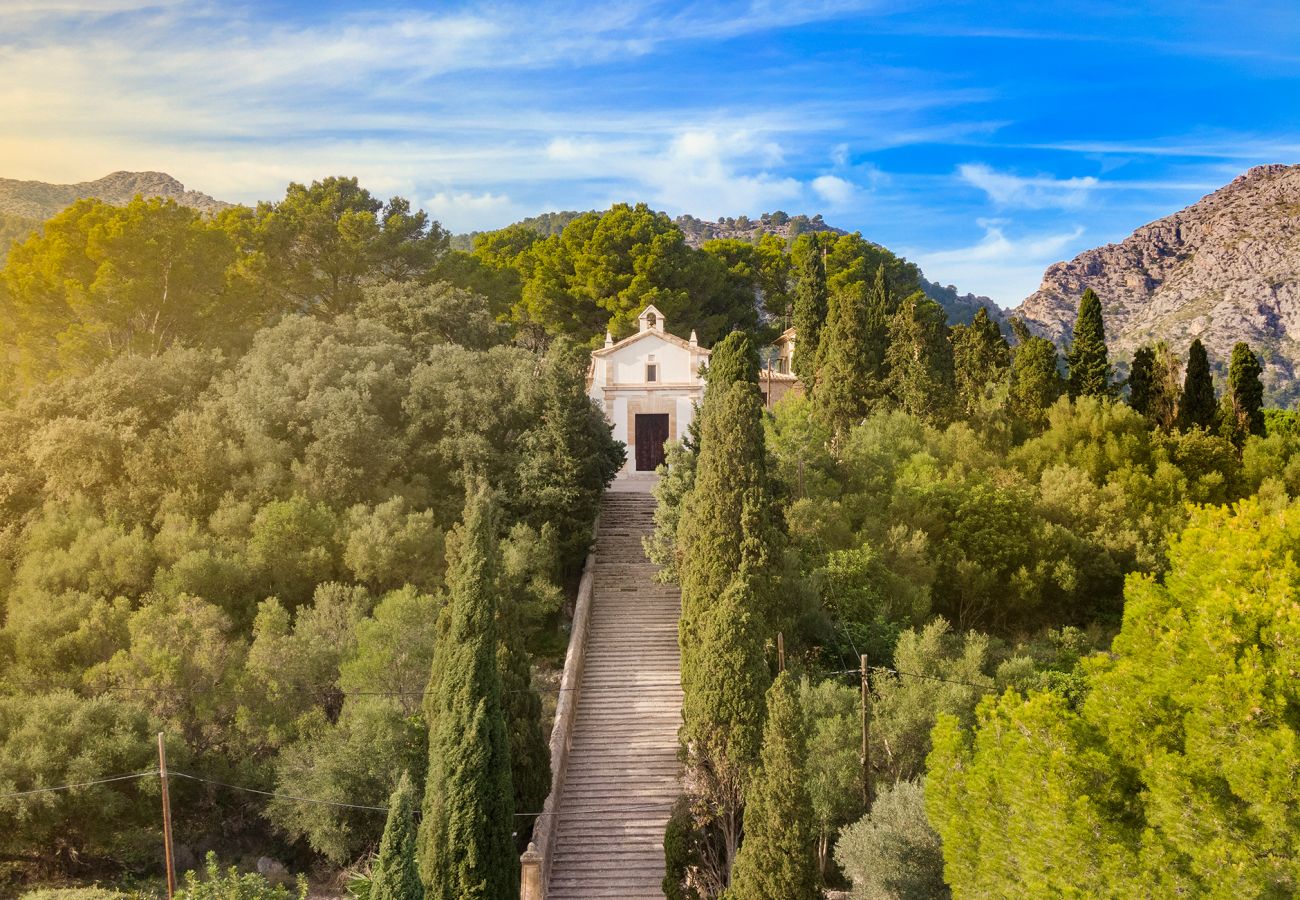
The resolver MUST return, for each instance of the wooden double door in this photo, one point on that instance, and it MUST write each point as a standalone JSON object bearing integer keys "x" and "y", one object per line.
{"x": 651, "y": 435}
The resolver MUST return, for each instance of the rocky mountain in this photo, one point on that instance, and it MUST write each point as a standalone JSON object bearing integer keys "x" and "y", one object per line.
{"x": 1225, "y": 269}
{"x": 37, "y": 200}
{"x": 743, "y": 228}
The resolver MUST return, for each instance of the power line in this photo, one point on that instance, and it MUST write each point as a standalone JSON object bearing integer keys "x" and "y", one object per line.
{"x": 971, "y": 684}
{"x": 249, "y": 790}
{"x": 79, "y": 784}
{"x": 233, "y": 691}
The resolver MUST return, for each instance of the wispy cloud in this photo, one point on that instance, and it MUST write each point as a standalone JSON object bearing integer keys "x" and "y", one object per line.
{"x": 1036, "y": 192}
{"x": 1007, "y": 269}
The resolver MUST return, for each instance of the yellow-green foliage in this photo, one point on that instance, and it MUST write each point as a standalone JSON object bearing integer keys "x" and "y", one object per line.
{"x": 1178, "y": 772}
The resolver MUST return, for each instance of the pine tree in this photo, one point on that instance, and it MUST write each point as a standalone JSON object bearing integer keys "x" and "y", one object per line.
{"x": 1090, "y": 372}
{"x": 981, "y": 356}
{"x": 920, "y": 359}
{"x": 777, "y": 858}
{"x": 1036, "y": 381}
{"x": 467, "y": 850}
{"x": 1198, "y": 408}
{"x": 1141, "y": 378}
{"x": 810, "y": 308}
{"x": 395, "y": 875}
{"x": 1246, "y": 390}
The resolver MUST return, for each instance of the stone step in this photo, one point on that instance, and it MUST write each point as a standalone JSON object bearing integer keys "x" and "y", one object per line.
{"x": 624, "y": 772}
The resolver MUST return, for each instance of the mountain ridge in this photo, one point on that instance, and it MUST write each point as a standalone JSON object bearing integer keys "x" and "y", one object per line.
{"x": 1224, "y": 269}
{"x": 39, "y": 200}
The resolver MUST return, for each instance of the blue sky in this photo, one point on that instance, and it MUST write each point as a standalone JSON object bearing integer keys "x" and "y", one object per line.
{"x": 983, "y": 140}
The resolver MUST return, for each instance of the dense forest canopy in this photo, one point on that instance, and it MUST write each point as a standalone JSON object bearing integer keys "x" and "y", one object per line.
{"x": 308, "y": 489}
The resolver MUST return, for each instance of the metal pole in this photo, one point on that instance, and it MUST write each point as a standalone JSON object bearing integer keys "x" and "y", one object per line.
{"x": 167, "y": 817}
{"x": 868, "y": 789}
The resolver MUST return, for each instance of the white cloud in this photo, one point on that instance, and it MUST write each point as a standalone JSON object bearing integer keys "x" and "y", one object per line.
{"x": 1038, "y": 192}
{"x": 466, "y": 211}
{"x": 46, "y": 8}
{"x": 1003, "y": 268}
{"x": 834, "y": 190}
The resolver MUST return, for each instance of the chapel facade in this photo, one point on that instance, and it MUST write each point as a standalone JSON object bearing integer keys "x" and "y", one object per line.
{"x": 649, "y": 386}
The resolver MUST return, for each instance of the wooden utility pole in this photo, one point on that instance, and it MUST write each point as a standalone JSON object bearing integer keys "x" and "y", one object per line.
{"x": 868, "y": 789}
{"x": 780, "y": 651}
{"x": 167, "y": 817}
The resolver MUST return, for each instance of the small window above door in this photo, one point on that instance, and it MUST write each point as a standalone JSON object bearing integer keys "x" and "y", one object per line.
{"x": 651, "y": 372}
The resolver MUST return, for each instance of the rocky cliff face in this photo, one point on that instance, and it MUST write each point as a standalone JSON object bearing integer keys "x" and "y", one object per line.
{"x": 1225, "y": 269}
{"x": 38, "y": 200}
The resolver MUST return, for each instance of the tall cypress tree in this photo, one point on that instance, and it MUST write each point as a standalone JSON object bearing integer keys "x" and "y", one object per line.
{"x": 395, "y": 875}
{"x": 731, "y": 479}
{"x": 777, "y": 858}
{"x": 1036, "y": 381}
{"x": 920, "y": 359}
{"x": 810, "y": 308}
{"x": 1166, "y": 387}
{"x": 1246, "y": 390}
{"x": 1199, "y": 407}
{"x": 569, "y": 456}
{"x": 880, "y": 307}
{"x": 981, "y": 356}
{"x": 467, "y": 849}
{"x": 728, "y": 540}
{"x": 1089, "y": 362}
{"x": 1141, "y": 379}
{"x": 724, "y": 677}
{"x": 844, "y": 387}
{"x": 732, "y": 359}
{"x": 530, "y": 752}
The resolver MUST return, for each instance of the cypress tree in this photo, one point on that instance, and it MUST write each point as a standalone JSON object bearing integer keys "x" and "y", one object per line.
{"x": 880, "y": 308}
{"x": 732, "y": 359}
{"x": 777, "y": 858}
{"x": 724, "y": 677}
{"x": 728, "y": 539}
{"x": 1141, "y": 380}
{"x": 920, "y": 359}
{"x": 1198, "y": 407}
{"x": 810, "y": 308}
{"x": 731, "y": 494}
{"x": 1166, "y": 387}
{"x": 395, "y": 875}
{"x": 530, "y": 752}
{"x": 1036, "y": 381}
{"x": 569, "y": 456}
{"x": 981, "y": 356}
{"x": 845, "y": 385}
{"x": 1090, "y": 372}
{"x": 467, "y": 849}
{"x": 1246, "y": 390}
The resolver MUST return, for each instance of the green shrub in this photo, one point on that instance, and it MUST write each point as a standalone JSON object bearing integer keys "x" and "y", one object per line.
{"x": 230, "y": 885}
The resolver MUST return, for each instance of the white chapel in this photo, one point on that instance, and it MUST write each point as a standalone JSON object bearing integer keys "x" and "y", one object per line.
{"x": 649, "y": 384}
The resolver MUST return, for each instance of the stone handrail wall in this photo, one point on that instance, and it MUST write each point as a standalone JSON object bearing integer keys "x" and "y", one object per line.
{"x": 539, "y": 851}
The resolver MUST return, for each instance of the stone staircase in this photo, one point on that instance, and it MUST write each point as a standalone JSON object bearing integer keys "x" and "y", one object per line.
{"x": 623, "y": 775}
